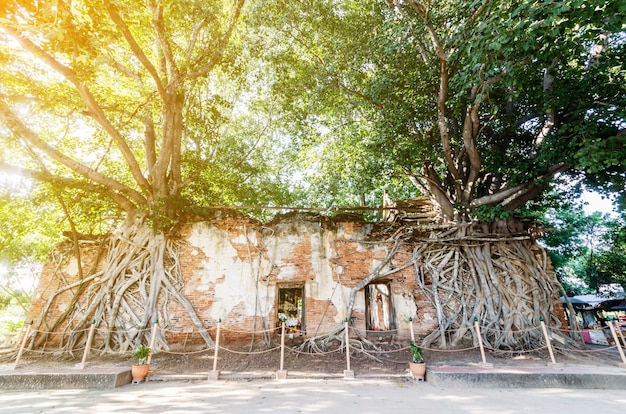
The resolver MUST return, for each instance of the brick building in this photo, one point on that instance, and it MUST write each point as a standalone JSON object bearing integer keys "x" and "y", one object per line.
{"x": 249, "y": 275}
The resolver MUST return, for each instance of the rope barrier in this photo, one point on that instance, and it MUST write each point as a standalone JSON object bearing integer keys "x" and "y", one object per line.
{"x": 242, "y": 331}
{"x": 392, "y": 351}
{"x": 297, "y": 351}
{"x": 36, "y": 331}
{"x": 184, "y": 353}
{"x": 450, "y": 350}
{"x": 104, "y": 332}
{"x": 592, "y": 351}
{"x": 519, "y": 331}
{"x": 520, "y": 351}
{"x": 311, "y": 351}
{"x": 57, "y": 352}
{"x": 249, "y": 353}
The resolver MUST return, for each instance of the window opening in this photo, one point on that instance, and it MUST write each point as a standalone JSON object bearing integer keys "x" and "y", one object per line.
{"x": 291, "y": 308}
{"x": 378, "y": 307}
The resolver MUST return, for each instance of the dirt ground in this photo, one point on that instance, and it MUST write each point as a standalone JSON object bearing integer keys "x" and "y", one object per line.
{"x": 391, "y": 360}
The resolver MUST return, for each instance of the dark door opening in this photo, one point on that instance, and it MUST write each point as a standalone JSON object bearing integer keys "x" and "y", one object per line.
{"x": 378, "y": 307}
{"x": 291, "y": 308}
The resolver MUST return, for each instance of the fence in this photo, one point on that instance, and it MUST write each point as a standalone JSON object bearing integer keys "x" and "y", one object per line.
{"x": 616, "y": 335}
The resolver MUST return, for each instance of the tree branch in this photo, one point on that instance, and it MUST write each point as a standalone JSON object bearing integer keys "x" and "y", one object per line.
{"x": 444, "y": 77}
{"x": 134, "y": 46}
{"x": 470, "y": 130}
{"x": 550, "y": 120}
{"x": 517, "y": 196}
{"x": 434, "y": 188}
{"x": 67, "y": 182}
{"x": 21, "y": 130}
{"x": 221, "y": 46}
{"x": 149, "y": 141}
{"x": 87, "y": 98}
{"x": 159, "y": 25}
{"x": 478, "y": 12}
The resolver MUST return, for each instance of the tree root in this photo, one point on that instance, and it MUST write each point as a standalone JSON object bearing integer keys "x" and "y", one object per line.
{"x": 467, "y": 273}
{"x": 126, "y": 293}
{"x": 336, "y": 339}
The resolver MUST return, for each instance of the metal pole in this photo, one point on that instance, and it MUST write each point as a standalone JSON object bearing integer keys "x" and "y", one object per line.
{"x": 23, "y": 345}
{"x": 616, "y": 339}
{"x": 152, "y": 339}
{"x": 548, "y": 343}
{"x": 92, "y": 329}
{"x": 282, "y": 345}
{"x": 217, "y": 344}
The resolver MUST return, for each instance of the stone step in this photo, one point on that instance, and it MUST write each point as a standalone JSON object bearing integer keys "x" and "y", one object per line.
{"x": 63, "y": 378}
{"x": 554, "y": 376}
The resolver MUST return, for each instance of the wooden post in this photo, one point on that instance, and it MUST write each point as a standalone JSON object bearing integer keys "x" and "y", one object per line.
{"x": 92, "y": 329}
{"x": 281, "y": 373}
{"x": 347, "y": 346}
{"x": 411, "y": 326}
{"x": 23, "y": 345}
{"x": 152, "y": 339}
{"x": 617, "y": 343}
{"x": 619, "y": 332}
{"x": 215, "y": 373}
{"x": 480, "y": 344}
{"x": 548, "y": 343}
{"x": 348, "y": 373}
{"x": 282, "y": 345}
{"x": 217, "y": 344}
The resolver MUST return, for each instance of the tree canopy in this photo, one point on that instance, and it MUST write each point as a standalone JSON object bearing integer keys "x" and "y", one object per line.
{"x": 147, "y": 110}
{"x": 147, "y": 106}
{"x": 478, "y": 104}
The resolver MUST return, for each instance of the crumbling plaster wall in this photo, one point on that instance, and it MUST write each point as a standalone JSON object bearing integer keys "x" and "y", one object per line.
{"x": 233, "y": 269}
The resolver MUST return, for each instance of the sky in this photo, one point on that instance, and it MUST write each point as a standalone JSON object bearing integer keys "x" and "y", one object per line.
{"x": 595, "y": 202}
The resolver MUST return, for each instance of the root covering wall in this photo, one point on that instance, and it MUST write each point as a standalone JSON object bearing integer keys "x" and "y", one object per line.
{"x": 302, "y": 268}
{"x": 232, "y": 269}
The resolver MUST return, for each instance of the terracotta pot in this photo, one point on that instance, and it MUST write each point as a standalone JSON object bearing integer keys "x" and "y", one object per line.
{"x": 418, "y": 370}
{"x": 139, "y": 373}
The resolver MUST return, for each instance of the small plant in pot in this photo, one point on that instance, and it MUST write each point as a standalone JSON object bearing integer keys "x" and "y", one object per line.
{"x": 140, "y": 371}
{"x": 417, "y": 365}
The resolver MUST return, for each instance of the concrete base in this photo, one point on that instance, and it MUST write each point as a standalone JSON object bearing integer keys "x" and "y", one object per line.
{"x": 80, "y": 365}
{"x": 64, "y": 378}
{"x": 621, "y": 365}
{"x": 348, "y": 374}
{"x": 528, "y": 377}
{"x": 281, "y": 374}
{"x": 214, "y": 375}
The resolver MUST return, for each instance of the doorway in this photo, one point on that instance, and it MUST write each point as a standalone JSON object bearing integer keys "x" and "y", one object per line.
{"x": 291, "y": 308}
{"x": 379, "y": 308}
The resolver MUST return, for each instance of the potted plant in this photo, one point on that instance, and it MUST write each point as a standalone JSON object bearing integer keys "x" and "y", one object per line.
{"x": 417, "y": 366}
{"x": 140, "y": 371}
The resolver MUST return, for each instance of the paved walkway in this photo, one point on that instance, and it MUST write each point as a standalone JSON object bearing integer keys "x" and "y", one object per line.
{"x": 311, "y": 396}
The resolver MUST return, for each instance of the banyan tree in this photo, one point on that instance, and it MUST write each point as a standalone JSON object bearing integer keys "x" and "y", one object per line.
{"x": 148, "y": 110}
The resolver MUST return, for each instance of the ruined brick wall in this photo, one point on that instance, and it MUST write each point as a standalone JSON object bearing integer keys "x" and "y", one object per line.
{"x": 233, "y": 267}
{"x": 233, "y": 270}
{"x": 59, "y": 284}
